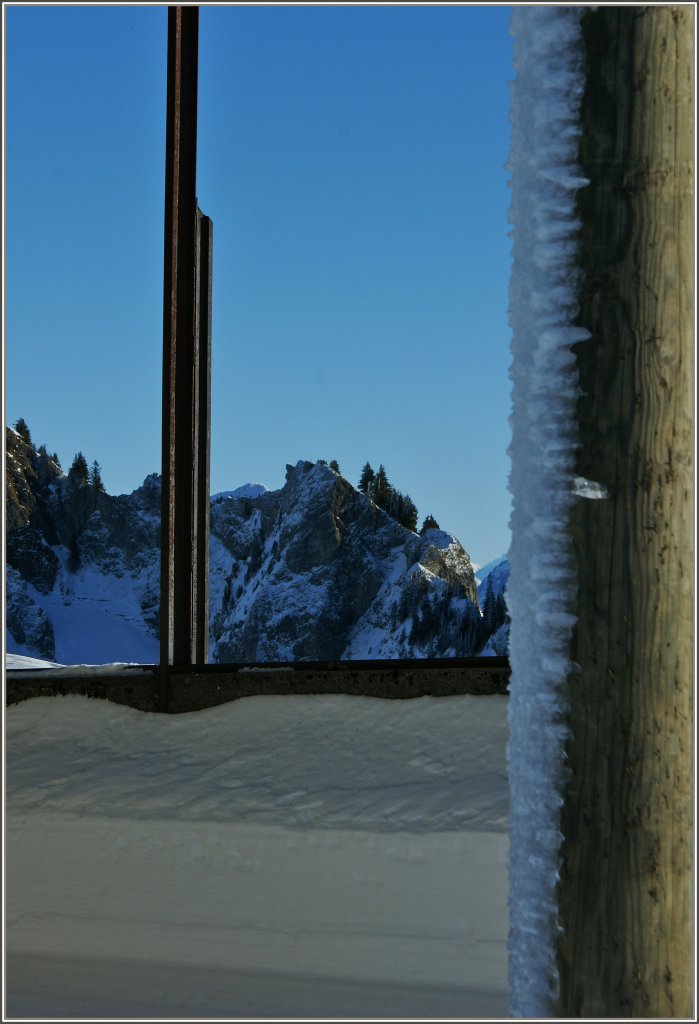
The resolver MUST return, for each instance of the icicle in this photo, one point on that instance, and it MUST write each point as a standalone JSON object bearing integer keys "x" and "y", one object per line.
{"x": 545, "y": 104}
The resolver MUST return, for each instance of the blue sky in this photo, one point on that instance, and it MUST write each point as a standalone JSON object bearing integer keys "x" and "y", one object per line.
{"x": 352, "y": 159}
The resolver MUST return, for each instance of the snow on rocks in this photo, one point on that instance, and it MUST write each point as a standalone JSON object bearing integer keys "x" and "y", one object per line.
{"x": 251, "y": 490}
{"x": 314, "y": 571}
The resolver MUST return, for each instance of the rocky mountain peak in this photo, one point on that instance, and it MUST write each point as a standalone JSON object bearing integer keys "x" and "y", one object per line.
{"x": 322, "y": 573}
{"x": 312, "y": 571}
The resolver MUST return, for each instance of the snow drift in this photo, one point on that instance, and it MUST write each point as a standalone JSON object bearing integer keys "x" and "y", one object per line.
{"x": 322, "y": 856}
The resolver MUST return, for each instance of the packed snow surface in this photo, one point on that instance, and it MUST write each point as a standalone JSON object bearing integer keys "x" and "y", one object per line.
{"x": 294, "y": 856}
{"x": 546, "y": 95}
{"x": 15, "y": 662}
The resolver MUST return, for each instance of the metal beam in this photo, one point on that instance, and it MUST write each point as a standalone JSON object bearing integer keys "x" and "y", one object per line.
{"x": 202, "y": 435}
{"x": 186, "y": 366}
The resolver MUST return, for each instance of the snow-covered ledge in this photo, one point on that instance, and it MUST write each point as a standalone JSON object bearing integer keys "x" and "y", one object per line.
{"x": 545, "y": 102}
{"x": 191, "y": 688}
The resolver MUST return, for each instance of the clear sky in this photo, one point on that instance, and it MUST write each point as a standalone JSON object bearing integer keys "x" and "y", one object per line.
{"x": 352, "y": 159}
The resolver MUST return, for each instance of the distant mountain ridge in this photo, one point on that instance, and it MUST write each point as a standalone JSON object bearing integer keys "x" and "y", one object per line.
{"x": 492, "y": 583}
{"x": 312, "y": 571}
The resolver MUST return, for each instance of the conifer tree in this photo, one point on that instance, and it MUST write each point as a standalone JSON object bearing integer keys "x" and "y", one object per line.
{"x": 399, "y": 506}
{"x": 489, "y": 609}
{"x": 366, "y": 480}
{"x": 470, "y": 630}
{"x": 95, "y": 478}
{"x": 334, "y": 465}
{"x": 429, "y": 523}
{"x": 501, "y": 614}
{"x": 79, "y": 474}
{"x": 23, "y": 430}
{"x": 410, "y": 514}
{"x": 405, "y": 509}
{"x": 381, "y": 487}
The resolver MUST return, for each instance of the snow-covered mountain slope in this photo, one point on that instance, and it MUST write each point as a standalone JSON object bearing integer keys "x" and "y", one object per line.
{"x": 498, "y": 643}
{"x": 312, "y": 571}
{"x": 275, "y": 857}
{"x": 317, "y": 571}
{"x": 83, "y": 586}
{"x": 483, "y": 571}
{"x": 492, "y": 584}
{"x": 251, "y": 490}
{"x": 494, "y": 575}
{"x": 22, "y": 662}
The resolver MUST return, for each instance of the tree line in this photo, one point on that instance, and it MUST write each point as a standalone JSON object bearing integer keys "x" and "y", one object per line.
{"x": 401, "y": 507}
{"x": 436, "y": 621}
{"x": 79, "y": 474}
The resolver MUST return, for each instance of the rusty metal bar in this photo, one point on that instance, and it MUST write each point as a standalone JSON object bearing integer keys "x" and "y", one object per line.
{"x": 202, "y": 429}
{"x": 181, "y": 570}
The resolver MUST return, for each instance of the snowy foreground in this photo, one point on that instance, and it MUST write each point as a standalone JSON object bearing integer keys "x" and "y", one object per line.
{"x": 310, "y": 856}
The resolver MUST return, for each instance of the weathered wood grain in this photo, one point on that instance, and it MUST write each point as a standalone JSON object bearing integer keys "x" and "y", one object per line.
{"x": 625, "y": 894}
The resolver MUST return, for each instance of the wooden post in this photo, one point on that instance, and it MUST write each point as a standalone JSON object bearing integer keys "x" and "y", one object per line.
{"x": 186, "y": 368}
{"x": 625, "y": 894}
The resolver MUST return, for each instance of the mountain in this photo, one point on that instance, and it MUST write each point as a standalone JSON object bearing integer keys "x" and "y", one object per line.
{"x": 312, "y": 571}
{"x": 83, "y": 566}
{"x": 501, "y": 565}
{"x": 494, "y": 575}
{"x": 492, "y": 583}
{"x": 317, "y": 571}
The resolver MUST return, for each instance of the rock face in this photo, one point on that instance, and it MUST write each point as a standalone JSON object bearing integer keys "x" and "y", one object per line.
{"x": 27, "y": 624}
{"x": 83, "y": 566}
{"x": 315, "y": 571}
{"x": 311, "y": 572}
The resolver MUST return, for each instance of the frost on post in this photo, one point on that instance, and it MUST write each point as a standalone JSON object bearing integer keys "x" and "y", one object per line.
{"x": 545, "y": 176}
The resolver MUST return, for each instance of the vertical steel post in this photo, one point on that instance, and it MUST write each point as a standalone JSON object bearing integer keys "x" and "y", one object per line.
{"x": 202, "y": 435}
{"x": 185, "y": 473}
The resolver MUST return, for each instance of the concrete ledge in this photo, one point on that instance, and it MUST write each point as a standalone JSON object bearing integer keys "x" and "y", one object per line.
{"x": 136, "y": 686}
{"x": 192, "y": 688}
